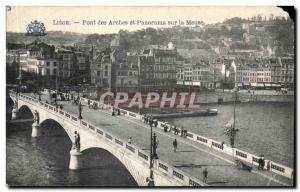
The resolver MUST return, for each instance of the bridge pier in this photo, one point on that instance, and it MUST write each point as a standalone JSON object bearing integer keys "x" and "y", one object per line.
{"x": 36, "y": 130}
{"x": 14, "y": 114}
{"x": 75, "y": 159}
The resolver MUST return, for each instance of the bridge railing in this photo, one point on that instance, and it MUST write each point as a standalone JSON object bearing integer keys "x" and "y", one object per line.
{"x": 178, "y": 174}
{"x": 131, "y": 149}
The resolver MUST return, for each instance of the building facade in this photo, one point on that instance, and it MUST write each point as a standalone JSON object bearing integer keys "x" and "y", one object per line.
{"x": 127, "y": 74}
{"x": 101, "y": 69}
{"x": 283, "y": 70}
{"x": 66, "y": 63}
{"x": 157, "y": 67}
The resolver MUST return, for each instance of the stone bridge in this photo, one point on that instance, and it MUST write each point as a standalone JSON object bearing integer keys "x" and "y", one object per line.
{"x": 99, "y": 129}
{"x": 134, "y": 159}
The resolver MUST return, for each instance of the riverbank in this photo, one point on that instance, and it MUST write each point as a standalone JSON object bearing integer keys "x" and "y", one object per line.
{"x": 243, "y": 96}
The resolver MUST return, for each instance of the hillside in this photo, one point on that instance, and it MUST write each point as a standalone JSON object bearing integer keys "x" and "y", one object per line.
{"x": 53, "y": 37}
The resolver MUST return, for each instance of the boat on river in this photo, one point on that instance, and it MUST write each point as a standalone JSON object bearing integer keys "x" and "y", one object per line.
{"x": 199, "y": 113}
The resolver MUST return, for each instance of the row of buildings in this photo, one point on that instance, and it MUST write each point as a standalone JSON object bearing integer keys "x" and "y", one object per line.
{"x": 250, "y": 72}
{"x": 152, "y": 68}
{"x": 47, "y": 60}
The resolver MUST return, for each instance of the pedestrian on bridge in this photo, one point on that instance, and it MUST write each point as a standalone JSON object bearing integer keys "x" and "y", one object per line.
{"x": 181, "y": 131}
{"x": 130, "y": 140}
{"x": 113, "y": 112}
{"x": 205, "y": 174}
{"x": 261, "y": 163}
{"x": 175, "y": 145}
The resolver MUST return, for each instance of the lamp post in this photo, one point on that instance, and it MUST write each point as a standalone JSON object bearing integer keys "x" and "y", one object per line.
{"x": 153, "y": 154}
{"x": 39, "y": 92}
{"x": 151, "y": 179}
{"x": 79, "y": 102}
{"x": 139, "y": 79}
{"x": 154, "y": 146}
{"x": 57, "y": 81}
{"x": 20, "y": 73}
{"x": 233, "y": 130}
{"x": 79, "y": 110}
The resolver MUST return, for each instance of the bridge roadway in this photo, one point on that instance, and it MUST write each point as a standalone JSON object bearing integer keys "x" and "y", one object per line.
{"x": 191, "y": 157}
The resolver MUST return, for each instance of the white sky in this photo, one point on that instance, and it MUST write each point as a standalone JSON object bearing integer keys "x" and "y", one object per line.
{"x": 19, "y": 17}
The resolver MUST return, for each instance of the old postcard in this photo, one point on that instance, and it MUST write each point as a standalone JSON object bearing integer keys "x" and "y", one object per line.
{"x": 150, "y": 96}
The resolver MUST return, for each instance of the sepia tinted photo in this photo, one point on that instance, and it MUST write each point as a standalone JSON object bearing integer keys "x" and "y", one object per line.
{"x": 169, "y": 96}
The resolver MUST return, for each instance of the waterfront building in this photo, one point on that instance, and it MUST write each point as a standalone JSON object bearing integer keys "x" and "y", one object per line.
{"x": 43, "y": 66}
{"x": 41, "y": 50}
{"x": 180, "y": 72}
{"x": 127, "y": 74}
{"x": 157, "y": 67}
{"x": 82, "y": 68}
{"x": 17, "y": 56}
{"x": 74, "y": 65}
{"x": 101, "y": 67}
{"x": 66, "y": 63}
{"x": 199, "y": 74}
{"x": 283, "y": 70}
{"x": 202, "y": 75}
{"x": 41, "y": 59}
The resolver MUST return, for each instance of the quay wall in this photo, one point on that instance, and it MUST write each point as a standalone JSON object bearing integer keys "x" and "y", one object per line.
{"x": 244, "y": 96}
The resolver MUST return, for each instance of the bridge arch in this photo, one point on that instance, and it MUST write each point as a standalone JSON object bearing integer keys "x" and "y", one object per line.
{"x": 50, "y": 123}
{"x": 138, "y": 170}
{"x": 137, "y": 173}
{"x": 129, "y": 170}
{"x": 46, "y": 119}
{"x": 25, "y": 110}
{"x": 100, "y": 157}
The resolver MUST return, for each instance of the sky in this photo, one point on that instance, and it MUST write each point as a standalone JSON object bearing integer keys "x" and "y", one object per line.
{"x": 19, "y": 17}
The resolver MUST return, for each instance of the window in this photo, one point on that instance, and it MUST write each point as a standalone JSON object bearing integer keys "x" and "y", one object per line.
{"x": 48, "y": 63}
{"x": 106, "y": 67}
{"x": 54, "y": 63}
{"x": 40, "y": 71}
{"x": 98, "y": 73}
{"x": 105, "y": 73}
{"x": 54, "y": 71}
{"x": 48, "y": 72}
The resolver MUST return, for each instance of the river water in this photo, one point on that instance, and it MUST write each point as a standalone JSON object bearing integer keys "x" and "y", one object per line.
{"x": 264, "y": 128}
{"x": 44, "y": 161}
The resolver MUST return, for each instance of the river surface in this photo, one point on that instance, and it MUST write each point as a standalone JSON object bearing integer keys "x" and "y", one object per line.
{"x": 44, "y": 161}
{"x": 264, "y": 128}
